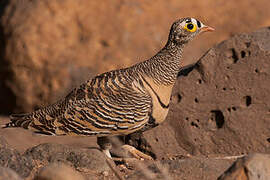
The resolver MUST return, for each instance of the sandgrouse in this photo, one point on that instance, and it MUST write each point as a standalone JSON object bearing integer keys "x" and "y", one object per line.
{"x": 118, "y": 102}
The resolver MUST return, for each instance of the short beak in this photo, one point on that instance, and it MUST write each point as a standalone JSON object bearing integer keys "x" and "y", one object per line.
{"x": 207, "y": 29}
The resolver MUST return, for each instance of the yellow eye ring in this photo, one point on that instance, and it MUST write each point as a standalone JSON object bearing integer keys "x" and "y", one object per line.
{"x": 190, "y": 27}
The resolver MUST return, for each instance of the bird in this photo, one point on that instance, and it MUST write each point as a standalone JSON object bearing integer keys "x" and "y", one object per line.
{"x": 118, "y": 102}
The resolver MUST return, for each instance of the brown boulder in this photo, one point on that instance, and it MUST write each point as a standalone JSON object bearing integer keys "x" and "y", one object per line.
{"x": 252, "y": 167}
{"x": 44, "y": 53}
{"x": 90, "y": 161}
{"x": 8, "y": 174}
{"x": 58, "y": 171}
{"x": 11, "y": 158}
{"x": 47, "y": 47}
{"x": 82, "y": 159}
{"x": 222, "y": 106}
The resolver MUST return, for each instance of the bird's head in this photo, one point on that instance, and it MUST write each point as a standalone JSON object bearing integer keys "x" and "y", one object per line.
{"x": 185, "y": 29}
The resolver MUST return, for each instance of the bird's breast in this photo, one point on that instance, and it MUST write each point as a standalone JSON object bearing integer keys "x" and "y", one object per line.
{"x": 160, "y": 95}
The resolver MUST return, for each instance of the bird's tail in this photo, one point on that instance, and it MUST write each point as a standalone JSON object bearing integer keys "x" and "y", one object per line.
{"x": 41, "y": 120}
{"x": 19, "y": 120}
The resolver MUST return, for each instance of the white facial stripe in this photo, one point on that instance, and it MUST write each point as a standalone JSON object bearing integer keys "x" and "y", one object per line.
{"x": 194, "y": 21}
{"x": 202, "y": 25}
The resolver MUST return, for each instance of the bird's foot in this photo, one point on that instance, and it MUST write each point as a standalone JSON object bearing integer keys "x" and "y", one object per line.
{"x": 135, "y": 153}
{"x": 127, "y": 153}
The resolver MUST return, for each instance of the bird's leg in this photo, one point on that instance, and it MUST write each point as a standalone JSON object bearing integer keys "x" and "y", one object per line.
{"x": 124, "y": 151}
{"x": 134, "y": 141}
{"x": 135, "y": 152}
{"x": 105, "y": 145}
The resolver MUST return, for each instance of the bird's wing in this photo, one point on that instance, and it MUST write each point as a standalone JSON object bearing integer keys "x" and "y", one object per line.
{"x": 110, "y": 104}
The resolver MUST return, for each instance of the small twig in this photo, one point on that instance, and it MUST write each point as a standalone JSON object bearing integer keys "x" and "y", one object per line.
{"x": 231, "y": 157}
{"x": 116, "y": 172}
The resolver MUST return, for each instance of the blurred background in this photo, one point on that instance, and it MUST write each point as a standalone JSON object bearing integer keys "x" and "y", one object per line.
{"x": 48, "y": 47}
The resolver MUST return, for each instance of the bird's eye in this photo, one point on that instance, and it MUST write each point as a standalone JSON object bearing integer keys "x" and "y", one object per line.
{"x": 190, "y": 27}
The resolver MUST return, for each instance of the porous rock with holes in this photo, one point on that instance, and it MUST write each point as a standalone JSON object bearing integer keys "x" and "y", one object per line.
{"x": 223, "y": 105}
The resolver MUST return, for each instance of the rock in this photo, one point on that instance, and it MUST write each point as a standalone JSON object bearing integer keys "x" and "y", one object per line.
{"x": 182, "y": 168}
{"x": 3, "y": 142}
{"x": 91, "y": 162}
{"x": 12, "y": 159}
{"x": 79, "y": 158}
{"x": 43, "y": 59}
{"x": 44, "y": 54}
{"x": 252, "y": 167}
{"x": 8, "y": 174}
{"x": 58, "y": 171}
{"x": 222, "y": 106}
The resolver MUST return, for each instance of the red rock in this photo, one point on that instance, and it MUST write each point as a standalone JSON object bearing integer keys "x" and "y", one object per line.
{"x": 80, "y": 158}
{"x": 183, "y": 168}
{"x": 58, "y": 171}
{"x": 11, "y": 158}
{"x": 252, "y": 167}
{"x": 222, "y": 106}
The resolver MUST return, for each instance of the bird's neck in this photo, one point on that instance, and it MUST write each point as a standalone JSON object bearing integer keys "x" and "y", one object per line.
{"x": 165, "y": 65}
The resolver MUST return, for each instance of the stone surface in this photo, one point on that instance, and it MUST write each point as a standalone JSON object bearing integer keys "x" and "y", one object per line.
{"x": 47, "y": 47}
{"x": 88, "y": 160}
{"x": 252, "y": 167}
{"x": 8, "y": 174}
{"x": 222, "y": 106}
{"x": 11, "y": 158}
{"x": 58, "y": 171}
{"x": 79, "y": 158}
{"x": 182, "y": 168}
{"x": 3, "y": 142}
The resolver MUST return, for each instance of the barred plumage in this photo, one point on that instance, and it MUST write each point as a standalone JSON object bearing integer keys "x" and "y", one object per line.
{"x": 118, "y": 102}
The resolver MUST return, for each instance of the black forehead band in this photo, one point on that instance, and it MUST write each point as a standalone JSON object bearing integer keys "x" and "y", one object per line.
{"x": 198, "y": 23}
{"x": 188, "y": 20}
